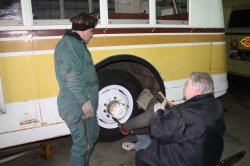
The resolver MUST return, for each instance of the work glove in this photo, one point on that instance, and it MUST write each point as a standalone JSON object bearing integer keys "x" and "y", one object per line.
{"x": 87, "y": 110}
{"x": 159, "y": 108}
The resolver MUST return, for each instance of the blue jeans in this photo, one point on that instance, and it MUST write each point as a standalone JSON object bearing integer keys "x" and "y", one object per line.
{"x": 142, "y": 142}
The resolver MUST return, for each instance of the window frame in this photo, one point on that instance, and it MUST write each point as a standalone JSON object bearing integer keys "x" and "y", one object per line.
{"x": 29, "y": 23}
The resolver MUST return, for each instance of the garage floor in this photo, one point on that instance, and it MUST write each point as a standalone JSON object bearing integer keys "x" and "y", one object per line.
{"x": 236, "y": 105}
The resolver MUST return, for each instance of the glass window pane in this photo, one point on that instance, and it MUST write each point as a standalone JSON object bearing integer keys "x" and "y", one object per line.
{"x": 172, "y": 11}
{"x": 10, "y": 10}
{"x": 46, "y": 9}
{"x": 62, "y": 9}
{"x": 128, "y": 11}
{"x": 239, "y": 19}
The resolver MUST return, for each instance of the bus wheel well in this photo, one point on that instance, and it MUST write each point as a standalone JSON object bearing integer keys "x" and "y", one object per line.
{"x": 143, "y": 71}
{"x": 121, "y": 79}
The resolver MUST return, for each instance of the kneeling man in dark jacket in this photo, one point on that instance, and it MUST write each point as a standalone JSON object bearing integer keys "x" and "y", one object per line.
{"x": 191, "y": 134}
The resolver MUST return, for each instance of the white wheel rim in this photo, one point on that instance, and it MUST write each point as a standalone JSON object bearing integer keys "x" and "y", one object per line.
{"x": 109, "y": 94}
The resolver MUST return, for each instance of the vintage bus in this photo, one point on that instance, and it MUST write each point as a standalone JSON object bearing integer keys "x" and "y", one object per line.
{"x": 138, "y": 44}
{"x": 237, "y": 26}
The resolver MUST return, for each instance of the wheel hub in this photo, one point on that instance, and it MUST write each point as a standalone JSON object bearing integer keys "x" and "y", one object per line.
{"x": 116, "y": 101}
{"x": 117, "y": 109}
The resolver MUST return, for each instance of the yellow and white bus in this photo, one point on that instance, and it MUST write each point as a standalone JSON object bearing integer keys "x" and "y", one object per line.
{"x": 237, "y": 28}
{"x": 138, "y": 44}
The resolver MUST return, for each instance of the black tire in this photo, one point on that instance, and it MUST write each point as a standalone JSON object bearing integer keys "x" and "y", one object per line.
{"x": 127, "y": 80}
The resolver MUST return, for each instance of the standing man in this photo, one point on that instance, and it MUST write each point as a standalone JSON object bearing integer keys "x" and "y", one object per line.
{"x": 191, "y": 133}
{"x": 78, "y": 96}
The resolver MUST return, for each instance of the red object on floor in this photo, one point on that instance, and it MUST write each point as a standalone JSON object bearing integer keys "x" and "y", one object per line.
{"x": 232, "y": 159}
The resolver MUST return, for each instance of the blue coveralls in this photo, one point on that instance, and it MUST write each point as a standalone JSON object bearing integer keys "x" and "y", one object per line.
{"x": 78, "y": 82}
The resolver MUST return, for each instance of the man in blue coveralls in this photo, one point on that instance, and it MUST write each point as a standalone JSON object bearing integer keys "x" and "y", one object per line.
{"x": 78, "y": 96}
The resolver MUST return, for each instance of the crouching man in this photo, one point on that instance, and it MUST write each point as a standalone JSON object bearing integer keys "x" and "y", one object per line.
{"x": 191, "y": 133}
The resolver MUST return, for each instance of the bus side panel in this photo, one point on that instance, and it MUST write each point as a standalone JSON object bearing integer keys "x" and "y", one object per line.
{"x": 211, "y": 17}
{"x": 19, "y": 91}
{"x": 47, "y": 88}
{"x": 201, "y": 58}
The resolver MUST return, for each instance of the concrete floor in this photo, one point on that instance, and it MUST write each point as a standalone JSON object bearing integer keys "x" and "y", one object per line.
{"x": 236, "y": 105}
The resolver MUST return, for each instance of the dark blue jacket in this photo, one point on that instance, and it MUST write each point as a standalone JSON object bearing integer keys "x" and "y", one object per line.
{"x": 190, "y": 135}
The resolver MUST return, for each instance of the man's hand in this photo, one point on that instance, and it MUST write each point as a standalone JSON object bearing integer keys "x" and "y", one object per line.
{"x": 88, "y": 110}
{"x": 165, "y": 100}
{"x": 159, "y": 109}
{"x": 159, "y": 106}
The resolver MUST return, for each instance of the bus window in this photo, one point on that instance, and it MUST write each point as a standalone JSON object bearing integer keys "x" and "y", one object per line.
{"x": 239, "y": 19}
{"x": 172, "y": 11}
{"x": 45, "y": 9}
{"x": 10, "y": 12}
{"x": 61, "y": 9}
{"x": 128, "y": 11}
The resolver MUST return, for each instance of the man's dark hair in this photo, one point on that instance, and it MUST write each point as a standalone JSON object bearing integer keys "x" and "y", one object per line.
{"x": 83, "y": 21}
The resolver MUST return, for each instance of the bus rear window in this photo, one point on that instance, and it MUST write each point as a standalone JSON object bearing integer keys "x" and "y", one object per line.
{"x": 239, "y": 19}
